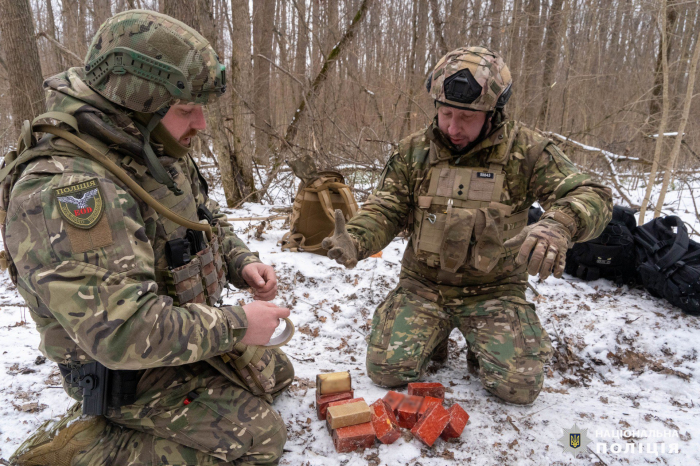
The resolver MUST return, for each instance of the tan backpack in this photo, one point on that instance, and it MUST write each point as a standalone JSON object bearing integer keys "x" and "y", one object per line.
{"x": 319, "y": 194}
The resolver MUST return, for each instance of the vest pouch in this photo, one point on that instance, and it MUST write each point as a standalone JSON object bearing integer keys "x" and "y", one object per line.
{"x": 429, "y": 227}
{"x": 184, "y": 283}
{"x": 488, "y": 234}
{"x": 212, "y": 271}
{"x": 456, "y": 238}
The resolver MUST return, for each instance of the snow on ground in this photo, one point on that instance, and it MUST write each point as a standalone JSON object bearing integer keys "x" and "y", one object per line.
{"x": 625, "y": 363}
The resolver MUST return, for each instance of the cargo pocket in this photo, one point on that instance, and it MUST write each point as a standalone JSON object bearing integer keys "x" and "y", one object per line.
{"x": 383, "y": 321}
{"x": 528, "y": 330}
{"x": 488, "y": 233}
{"x": 456, "y": 237}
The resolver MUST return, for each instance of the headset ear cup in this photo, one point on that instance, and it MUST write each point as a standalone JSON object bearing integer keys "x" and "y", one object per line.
{"x": 429, "y": 82}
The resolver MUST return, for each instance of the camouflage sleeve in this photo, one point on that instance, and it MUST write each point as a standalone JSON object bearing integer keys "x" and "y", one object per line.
{"x": 236, "y": 252}
{"x": 387, "y": 209}
{"x": 106, "y": 297}
{"x": 560, "y": 187}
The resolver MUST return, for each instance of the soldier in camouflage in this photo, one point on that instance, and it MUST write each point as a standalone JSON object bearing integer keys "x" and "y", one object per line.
{"x": 104, "y": 279}
{"x": 463, "y": 188}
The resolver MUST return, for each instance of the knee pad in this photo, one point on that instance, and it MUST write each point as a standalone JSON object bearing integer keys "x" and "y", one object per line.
{"x": 518, "y": 387}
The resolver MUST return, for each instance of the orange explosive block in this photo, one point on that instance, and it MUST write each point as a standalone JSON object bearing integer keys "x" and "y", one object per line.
{"x": 434, "y": 389}
{"x": 458, "y": 420}
{"x": 353, "y": 438}
{"x": 407, "y": 414}
{"x": 431, "y": 425}
{"x": 384, "y": 422}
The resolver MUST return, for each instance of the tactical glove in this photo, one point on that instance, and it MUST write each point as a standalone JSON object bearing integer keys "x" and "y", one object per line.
{"x": 341, "y": 246}
{"x": 545, "y": 244}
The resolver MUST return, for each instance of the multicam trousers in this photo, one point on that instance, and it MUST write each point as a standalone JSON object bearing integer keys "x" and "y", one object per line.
{"x": 503, "y": 332}
{"x": 219, "y": 424}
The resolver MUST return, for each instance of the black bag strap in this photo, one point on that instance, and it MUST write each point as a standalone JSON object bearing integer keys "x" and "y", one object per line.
{"x": 678, "y": 241}
{"x": 680, "y": 245}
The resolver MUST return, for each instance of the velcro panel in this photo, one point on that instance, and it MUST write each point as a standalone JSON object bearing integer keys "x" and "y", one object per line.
{"x": 482, "y": 186}
{"x": 445, "y": 182}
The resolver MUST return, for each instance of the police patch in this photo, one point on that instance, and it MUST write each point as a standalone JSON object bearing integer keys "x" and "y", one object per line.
{"x": 81, "y": 204}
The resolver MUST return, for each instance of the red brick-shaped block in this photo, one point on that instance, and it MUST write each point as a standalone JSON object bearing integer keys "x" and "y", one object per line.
{"x": 458, "y": 419}
{"x": 394, "y": 399}
{"x": 322, "y": 402}
{"x": 384, "y": 422}
{"x": 428, "y": 401}
{"x": 337, "y": 403}
{"x": 436, "y": 390}
{"x": 431, "y": 425}
{"x": 353, "y": 438}
{"x": 407, "y": 414}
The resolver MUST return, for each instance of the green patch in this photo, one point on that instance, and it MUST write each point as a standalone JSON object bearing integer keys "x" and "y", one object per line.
{"x": 81, "y": 204}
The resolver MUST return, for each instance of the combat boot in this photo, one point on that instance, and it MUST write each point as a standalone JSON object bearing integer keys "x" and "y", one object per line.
{"x": 440, "y": 353}
{"x": 55, "y": 443}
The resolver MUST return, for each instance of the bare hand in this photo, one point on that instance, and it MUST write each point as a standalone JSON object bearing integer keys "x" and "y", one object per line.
{"x": 263, "y": 319}
{"x": 340, "y": 246}
{"x": 262, "y": 279}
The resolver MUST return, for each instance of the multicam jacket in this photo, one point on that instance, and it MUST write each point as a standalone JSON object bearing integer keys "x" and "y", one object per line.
{"x": 460, "y": 208}
{"x": 90, "y": 256}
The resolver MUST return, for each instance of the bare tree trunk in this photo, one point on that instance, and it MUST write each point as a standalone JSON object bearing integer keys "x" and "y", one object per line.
{"x": 411, "y": 71}
{"x": 103, "y": 11}
{"x": 302, "y": 43}
{"x": 664, "y": 113}
{"x": 241, "y": 84}
{"x": 495, "y": 15}
{"x": 671, "y": 160}
{"x": 671, "y": 16}
{"x": 185, "y": 11}
{"x": 263, "y": 20}
{"x": 51, "y": 29}
{"x": 551, "y": 56}
{"x": 439, "y": 28}
{"x": 533, "y": 46}
{"x": 22, "y": 55}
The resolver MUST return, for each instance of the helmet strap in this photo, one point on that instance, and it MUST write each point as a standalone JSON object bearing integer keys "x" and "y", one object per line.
{"x": 158, "y": 171}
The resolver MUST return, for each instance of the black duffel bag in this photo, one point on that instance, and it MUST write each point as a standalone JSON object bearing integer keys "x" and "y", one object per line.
{"x": 669, "y": 262}
{"x": 611, "y": 255}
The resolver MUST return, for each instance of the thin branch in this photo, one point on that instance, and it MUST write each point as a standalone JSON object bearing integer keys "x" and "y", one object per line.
{"x": 62, "y": 48}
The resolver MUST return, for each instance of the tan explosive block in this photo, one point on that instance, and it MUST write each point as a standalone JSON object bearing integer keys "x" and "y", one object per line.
{"x": 334, "y": 382}
{"x": 349, "y": 414}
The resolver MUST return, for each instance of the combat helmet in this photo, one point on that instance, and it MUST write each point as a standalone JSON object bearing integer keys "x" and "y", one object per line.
{"x": 147, "y": 61}
{"x": 472, "y": 78}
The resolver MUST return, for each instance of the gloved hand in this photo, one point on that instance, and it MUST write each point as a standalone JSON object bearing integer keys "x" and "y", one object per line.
{"x": 340, "y": 246}
{"x": 545, "y": 244}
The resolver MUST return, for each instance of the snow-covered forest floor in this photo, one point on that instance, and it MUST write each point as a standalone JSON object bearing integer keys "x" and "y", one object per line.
{"x": 625, "y": 362}
{"x": 625, "y": 368}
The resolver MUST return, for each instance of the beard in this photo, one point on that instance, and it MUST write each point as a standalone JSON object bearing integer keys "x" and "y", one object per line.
{"x": 186, "y": 139}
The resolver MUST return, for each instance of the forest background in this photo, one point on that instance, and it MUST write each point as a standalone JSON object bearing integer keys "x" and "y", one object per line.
{"x": 344, "y": 80}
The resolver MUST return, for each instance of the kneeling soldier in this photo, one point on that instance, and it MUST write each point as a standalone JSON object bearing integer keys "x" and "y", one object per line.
{"x": 104, "y": 234}
{"x": 463, "y": 188}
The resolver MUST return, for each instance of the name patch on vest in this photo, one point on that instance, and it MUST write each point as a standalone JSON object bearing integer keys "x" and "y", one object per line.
{"x": 81, "y": 204}
{"x": 485, "y": 175}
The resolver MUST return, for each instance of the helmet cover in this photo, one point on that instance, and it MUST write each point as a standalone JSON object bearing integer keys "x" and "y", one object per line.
{"x": 146, "y": 61}
{"x": 472, "y": 78}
